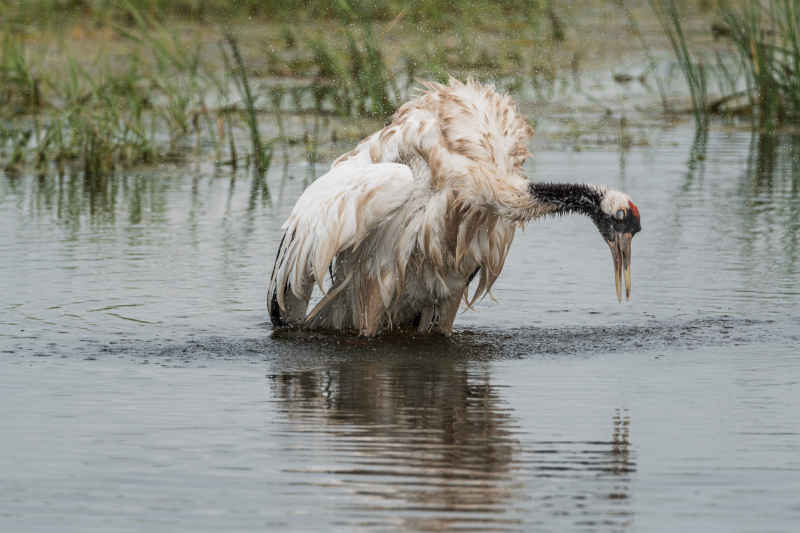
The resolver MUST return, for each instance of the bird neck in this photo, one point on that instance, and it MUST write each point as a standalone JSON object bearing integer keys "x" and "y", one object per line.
{"x": 566, "y": 198}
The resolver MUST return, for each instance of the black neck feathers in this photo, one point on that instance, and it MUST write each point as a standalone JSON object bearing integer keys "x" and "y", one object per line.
{"x": 565, "y": 198}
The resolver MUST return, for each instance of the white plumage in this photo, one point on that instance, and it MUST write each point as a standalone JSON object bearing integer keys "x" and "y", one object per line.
{"x": 403, "y": 222}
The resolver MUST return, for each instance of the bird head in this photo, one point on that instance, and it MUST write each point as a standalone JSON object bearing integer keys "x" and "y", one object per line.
{"x": 618, "y": 221}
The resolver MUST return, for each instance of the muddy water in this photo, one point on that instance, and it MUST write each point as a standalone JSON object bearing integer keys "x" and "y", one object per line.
{"x": 141, "y": 386}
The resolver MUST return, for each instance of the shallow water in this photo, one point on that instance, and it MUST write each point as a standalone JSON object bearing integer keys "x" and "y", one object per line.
{"x": 142, "y": 387}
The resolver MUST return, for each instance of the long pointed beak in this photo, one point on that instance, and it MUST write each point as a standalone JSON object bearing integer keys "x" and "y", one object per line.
{"x": 620, "y": 246}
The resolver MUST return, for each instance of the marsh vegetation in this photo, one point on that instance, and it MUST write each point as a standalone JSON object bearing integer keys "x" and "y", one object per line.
{"x": 98, "y": 85}
{"x": 93, "y": 86}
{"x": 761, "y": 66}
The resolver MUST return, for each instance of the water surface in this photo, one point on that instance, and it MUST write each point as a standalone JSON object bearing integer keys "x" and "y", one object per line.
{"x": 142, "y": 386}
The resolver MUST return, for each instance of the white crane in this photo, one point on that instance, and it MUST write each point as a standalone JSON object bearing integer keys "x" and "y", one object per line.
{"x": 405, "y": 221}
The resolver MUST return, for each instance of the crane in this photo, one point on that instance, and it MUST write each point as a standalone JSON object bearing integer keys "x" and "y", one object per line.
{"x": 402, "y": 224}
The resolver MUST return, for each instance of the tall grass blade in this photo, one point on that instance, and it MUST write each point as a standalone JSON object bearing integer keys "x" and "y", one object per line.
{"x": 695, "y": 74}
{"x": 262, "y": 158}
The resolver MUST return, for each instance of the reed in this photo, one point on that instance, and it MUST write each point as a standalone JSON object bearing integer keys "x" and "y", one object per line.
{"x": 694, "y": 72}
{"x": 262, "y": 154}
{"x": 110, "y": 113}
{"x": 153, "y": 91}
{"x": 18, "y": 78}
{"x": 99, "y": 124}
{"x": 175, "y": 74}
{"x": 766, "y": 37}
{"x": 357, "y": 81}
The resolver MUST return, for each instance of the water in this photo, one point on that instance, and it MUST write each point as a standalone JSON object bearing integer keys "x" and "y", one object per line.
{"x": 141, "y": 386}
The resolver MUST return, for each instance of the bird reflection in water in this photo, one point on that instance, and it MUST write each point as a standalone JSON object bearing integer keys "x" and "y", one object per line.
{"x": 424, "y": 436}
{"x": 427, "y": 442}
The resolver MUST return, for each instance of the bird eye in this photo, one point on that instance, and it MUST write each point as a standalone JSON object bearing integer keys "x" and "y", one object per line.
{"x": 620, "y": 214}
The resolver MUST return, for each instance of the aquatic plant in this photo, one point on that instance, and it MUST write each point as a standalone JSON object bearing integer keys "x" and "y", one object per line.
{"x": 262, "y": 154}
{"x": 766, "y": 36}
{"x": 106, "y": 114}
{"x": 19, "y": 83}
{"x": 693, "y": 71}
{"x": 357, "y": 82}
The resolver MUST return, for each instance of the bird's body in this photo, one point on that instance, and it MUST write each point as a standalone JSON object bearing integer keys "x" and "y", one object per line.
{"x": 404, "y": 222}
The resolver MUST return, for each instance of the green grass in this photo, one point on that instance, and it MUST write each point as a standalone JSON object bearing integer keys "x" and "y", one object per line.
{"x": 97, "y": 85}
{"x": 99, "y": 117}
{"x": 434, "y": 14}
{"x": 764, "y": 36}
{"x": 19, "y": 82}
{"x": 141, "y": 94}
{"x": 261, "y": 154}
{"x": 96, "y": 120}
{"x": 116, "y": 110}
{"x": 356, "y": 83}
{"x": 694, "y": 71}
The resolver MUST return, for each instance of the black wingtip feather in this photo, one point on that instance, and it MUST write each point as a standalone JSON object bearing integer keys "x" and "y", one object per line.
{"x": 273, "y": 306}
{"x": 275, "y": 311}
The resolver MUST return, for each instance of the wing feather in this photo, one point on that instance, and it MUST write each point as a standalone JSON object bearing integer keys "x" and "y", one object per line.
{"x": 335, "y": 213}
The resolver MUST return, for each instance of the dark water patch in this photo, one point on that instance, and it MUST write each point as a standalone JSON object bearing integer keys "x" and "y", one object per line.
{"x": 692, "y": 334}
{"x": 296, "y": 348}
